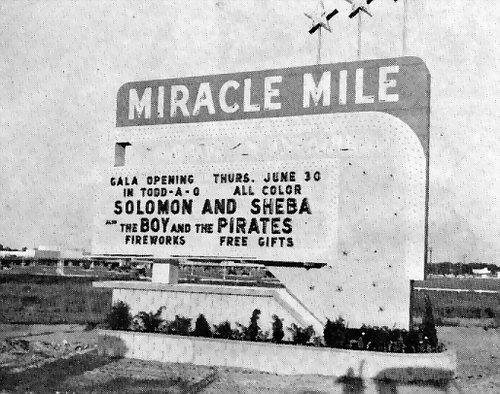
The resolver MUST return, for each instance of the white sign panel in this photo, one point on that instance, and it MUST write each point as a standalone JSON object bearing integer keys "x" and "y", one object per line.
{"x": 264, "y": 211}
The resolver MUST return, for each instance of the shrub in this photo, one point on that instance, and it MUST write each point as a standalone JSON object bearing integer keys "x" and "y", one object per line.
{"x": 263, "y": 336}
{"x": 149, "y": 321}
{"x": 119, "y": 318}
{"x": 428, "y": 326}
{"x": 375, "y": 338}
{"x": 396, "y": 341}
{"x": 201, "y": 327}
{"x": 278, "y": 332}
{"x": 317, "y": 341}
{"x": 413, "y": 341}
{"x": 335, "y": 333}
{"x": 489, "y": 312}
{"x": 252, "y": 332}
{"x": 180, "y": 326}
{"x": 301, "y": 336}
{"x": 240, "y": 332}
{"x": 223, "y": 331}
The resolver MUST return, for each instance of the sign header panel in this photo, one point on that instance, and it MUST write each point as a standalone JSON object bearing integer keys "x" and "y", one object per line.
{"x": 399, "y": 86}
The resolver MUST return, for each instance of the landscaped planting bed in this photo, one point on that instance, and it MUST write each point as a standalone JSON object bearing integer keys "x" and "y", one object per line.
{"x": 336, "y": 334}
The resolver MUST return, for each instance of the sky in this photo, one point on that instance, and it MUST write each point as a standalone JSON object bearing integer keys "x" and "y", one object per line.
{"x": 62, "y": 62}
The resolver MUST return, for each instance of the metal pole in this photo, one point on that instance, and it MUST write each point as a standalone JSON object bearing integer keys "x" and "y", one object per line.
{"x": 427, "y": 263}
{"x": 318, "y": 59}
{"x": 405, "y": 13}
{"x": 359, "y": 35}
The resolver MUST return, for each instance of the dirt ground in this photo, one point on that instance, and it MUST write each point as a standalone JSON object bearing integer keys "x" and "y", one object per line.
{"x": 478, "y": 352}
{"x": 46, "y": 358}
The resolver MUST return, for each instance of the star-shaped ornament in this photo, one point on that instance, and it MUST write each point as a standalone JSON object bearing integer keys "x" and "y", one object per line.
{"x": 358, "y": 6}
{"x": 320, "y": 18}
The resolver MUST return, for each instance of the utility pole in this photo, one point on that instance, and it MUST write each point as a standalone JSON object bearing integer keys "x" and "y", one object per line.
{"x": 318, "y": 58}
{"x": 359, "y": 36}
{"x": 405, "y": 14}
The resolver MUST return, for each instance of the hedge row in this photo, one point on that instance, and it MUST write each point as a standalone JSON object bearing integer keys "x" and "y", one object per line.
{"x": 336, "y": 333}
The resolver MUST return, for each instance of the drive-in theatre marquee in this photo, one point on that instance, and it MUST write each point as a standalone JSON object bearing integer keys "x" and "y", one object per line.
{"x": 323, "y": 165}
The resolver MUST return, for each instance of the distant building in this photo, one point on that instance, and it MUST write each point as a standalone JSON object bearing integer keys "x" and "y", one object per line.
{"x": 45, "y": 254}
{"x": 28, "y": 253}
{"x": 483, "y": 272}
{"x": 72, "y": 254}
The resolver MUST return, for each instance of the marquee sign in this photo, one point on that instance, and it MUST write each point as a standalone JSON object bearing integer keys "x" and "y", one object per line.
{"x": 317, "y": 166}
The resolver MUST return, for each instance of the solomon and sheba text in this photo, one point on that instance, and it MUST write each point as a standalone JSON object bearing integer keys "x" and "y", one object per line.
{"x": 250, "y": 210}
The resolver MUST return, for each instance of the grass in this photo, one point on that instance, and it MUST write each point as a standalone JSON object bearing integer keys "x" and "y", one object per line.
{"x": 452, "y": 305}
{"x": 460, "y": 308}
{"x": 51, "y": 299}
{"x": 460, "y": 283}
